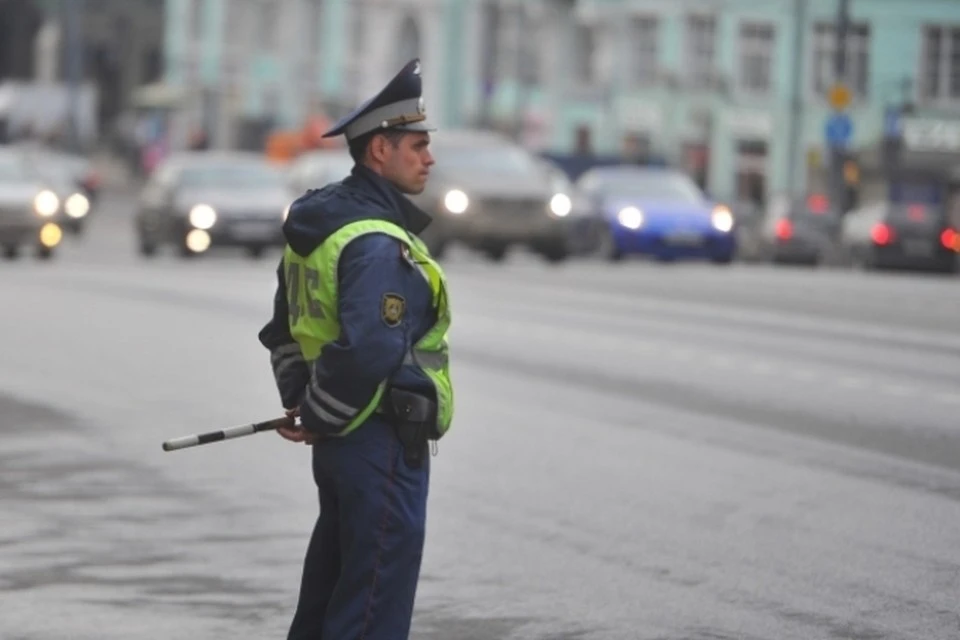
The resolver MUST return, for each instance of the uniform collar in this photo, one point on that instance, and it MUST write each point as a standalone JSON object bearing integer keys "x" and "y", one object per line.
{"x": 414, "y": 218}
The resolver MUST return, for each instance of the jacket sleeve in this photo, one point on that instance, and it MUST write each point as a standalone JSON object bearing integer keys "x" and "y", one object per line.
{"x": 373, "y": 340}
{"x": 289, "y": 368}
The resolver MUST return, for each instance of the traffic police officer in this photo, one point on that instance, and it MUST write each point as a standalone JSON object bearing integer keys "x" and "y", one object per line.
{"x": 358, "y": 344}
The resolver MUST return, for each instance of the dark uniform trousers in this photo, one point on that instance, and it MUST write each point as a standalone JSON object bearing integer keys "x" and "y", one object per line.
{"x": 372, "y": 515}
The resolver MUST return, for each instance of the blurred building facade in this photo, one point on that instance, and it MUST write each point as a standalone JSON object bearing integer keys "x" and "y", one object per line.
{"x": 249, "y": 66}
{"x": 116, "y": 47}
{"x": 715, "y": 85}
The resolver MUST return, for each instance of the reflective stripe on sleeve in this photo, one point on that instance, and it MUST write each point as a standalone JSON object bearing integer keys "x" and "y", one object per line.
{"x": 285, "y": 357}
{"x": 323, "y": 410}
{"x": 326, "y": 407}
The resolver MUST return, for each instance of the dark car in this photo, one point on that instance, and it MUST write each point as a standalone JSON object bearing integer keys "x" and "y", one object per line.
{"x": 896, "y": 235}
{"x": 198, "y": 200}
{"x": 799, "y": 230}
{"x": 917, "y": 224}
{"x": 317, "y": 169}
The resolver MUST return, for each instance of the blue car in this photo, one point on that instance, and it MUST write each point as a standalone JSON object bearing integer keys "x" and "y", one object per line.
{"x": 654, "y": 212}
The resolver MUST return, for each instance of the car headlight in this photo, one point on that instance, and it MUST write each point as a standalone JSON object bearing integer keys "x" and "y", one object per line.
{"x": 50, "y": 235}
{"x": 456, "y": 201}
{"x": 203, "y": 216}
{"x": 77, "y": 205}
{"x": 630, "y": 217}
{"x": 560, "y": 205}
{"x": 721, "y": 219}
{"x": 46, "y": 203}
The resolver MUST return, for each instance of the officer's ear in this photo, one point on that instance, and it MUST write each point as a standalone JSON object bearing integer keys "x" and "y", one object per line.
{"x": 380, "y": 146}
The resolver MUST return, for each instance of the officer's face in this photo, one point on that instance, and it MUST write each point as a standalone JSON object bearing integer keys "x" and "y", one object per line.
{"x": 407, "y": 164}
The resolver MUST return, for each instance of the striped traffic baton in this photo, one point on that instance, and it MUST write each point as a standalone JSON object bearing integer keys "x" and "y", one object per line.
{"x": 229, "y": 433}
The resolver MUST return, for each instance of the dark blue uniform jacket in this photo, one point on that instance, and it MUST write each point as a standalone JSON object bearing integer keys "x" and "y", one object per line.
{"x": 371, "y": 268}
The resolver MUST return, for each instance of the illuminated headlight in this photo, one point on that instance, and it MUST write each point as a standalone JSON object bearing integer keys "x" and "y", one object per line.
{"x": 630, "y": 217}
{"x": 456, "y": 201}
{"x": 722, "y": 219}
{"x": 203, "y": 216}
{"x": 46, "y": 203}
{"x": 50, "y": 235}
{"x": 77, "y": 205}
{"x": 198, "y": 241}
{"x": 560, "y": 205}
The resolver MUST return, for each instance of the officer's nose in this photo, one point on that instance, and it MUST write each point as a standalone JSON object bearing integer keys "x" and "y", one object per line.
{"x": 428, "y": 159}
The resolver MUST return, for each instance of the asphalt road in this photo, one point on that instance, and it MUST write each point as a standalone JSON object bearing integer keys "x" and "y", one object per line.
{"x": 640, "y": 452}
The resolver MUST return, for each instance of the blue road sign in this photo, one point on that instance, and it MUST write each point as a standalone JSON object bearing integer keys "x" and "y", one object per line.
{"x": 839, "y": 129}
{"x": 891, "y": 122}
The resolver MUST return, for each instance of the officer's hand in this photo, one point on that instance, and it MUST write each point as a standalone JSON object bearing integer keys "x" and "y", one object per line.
{"x": 294, "y": 432}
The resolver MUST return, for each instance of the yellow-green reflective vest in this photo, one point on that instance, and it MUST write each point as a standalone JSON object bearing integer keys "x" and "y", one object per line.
{"x": 312, "y": 297}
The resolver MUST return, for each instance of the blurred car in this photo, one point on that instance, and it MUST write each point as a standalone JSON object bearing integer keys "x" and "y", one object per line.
{"x": 899, "y": 235}
{"x": 317, "y": 169}
{"x": 27, "y": 209}
{"x": 58, "y": 177}
{"x": 77, "y": 170}
{"x": 653, "y": 211}
{"x": 489, "y": 193}
{"x": 198, "y": 200}
{"x": 793, "y": 230}
{"x": 559, "y": 180}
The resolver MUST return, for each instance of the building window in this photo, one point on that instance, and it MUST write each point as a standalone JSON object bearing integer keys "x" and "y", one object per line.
{"x": 756, "y": 57}
{"x": 508, "y": 40}
{"x": 268, "y": 22}
{"x": 585, "y": 54}
{"x": 196, "y": 20}
{"x": 642, "y": 41}
{"x": 312, "y": 26}
{"x": 858, "y": 58}
{"x": 358, "y": 31}
{"x": 940, "y": 76}
{"x": 701, "y": 49}
{"x": 530, "y": 57}
{"x": 237, "y": 20}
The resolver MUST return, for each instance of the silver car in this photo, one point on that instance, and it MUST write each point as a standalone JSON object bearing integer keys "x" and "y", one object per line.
{"x": 58, "y": 175}
{"x": 489, "y": 193}
{"x": 317, "y": 169}
{"x": 198, "y": 200}
{"x": 27, "y": 209}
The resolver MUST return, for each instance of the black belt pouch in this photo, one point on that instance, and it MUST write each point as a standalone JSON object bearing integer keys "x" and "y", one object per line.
{"x": 414, "y": 417}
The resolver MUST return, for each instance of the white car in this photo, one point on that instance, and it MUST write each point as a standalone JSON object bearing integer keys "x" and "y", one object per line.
{"x": 28, "y": 210}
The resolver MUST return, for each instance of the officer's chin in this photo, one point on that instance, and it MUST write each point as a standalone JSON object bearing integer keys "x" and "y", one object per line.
{"x": 412, "y": 189}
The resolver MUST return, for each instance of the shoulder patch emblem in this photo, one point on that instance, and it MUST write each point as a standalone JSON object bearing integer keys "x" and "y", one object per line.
{"x": 392, "y": 308}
